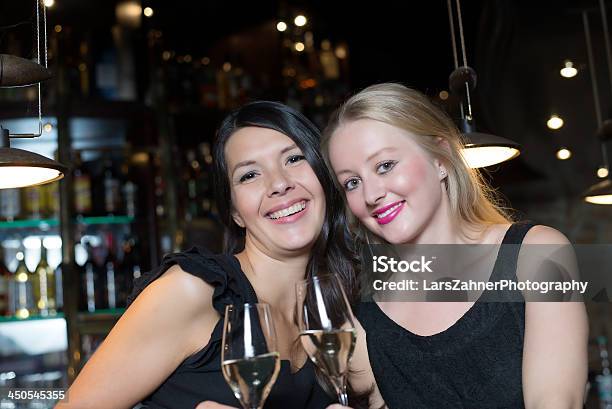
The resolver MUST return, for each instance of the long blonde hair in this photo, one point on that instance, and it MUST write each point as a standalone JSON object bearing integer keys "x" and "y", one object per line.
{"x": 472, "y": 200}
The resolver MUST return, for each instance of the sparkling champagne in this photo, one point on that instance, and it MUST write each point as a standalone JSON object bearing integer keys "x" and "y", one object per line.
{"x": 330, "y": 350}
{"x": 327, "y": 331}
{"x": 251, "y": 379}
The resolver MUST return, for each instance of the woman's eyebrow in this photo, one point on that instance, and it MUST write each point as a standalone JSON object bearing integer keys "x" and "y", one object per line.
{"x": 243, "y": 163}
{"x": 388, "y": 148}
{"x": 343, "y": 171}
{"x": 250, "y": 162}
{"x": 288, "y": 148}
{"x": 369, "y": 158}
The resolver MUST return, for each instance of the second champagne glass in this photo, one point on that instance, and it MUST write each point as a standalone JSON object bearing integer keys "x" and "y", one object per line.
{"x": 250, "y": 360}
{"x": 327, "y": 331}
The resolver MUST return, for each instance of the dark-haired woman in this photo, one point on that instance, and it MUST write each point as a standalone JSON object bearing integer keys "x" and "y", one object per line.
{"x": 284, "y": 222}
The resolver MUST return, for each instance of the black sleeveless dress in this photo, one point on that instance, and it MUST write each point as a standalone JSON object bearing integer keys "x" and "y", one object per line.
{"x": 474, "y": 364}
{"x": 199, "y": 377}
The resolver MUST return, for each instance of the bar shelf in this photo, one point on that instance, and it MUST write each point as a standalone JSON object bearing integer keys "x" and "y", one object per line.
{"x": 45, "y": 224}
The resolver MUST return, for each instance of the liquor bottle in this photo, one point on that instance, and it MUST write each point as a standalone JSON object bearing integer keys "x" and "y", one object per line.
{"x": 223, "y": 87}
{"x": 160, "y": 187}
{"x": 24, "y": 291}
{"x": 45, "y": 288}
{"x": 90, "y": 300}
{"x": 59, "y": 293}
{"x": 5, "y": 279}
{"x": 33, "y": 202}
{"x": 82, "y": 187}
{"x": 130, "y": 192}
{"x": 130, "y": 267}
{"x": 604, "y": 380}
{"x": 192, "y": 179}
{"x": 106, "y": 74}
{"x": 111, "y": 186}
{"x": 52, "y": 200}
{"x": 10, "y": 204}
{"x": 205, "y": 184}
{"x": 110, "y": 271}
{"x": 52, "y": 196}
{"x": 329, "y": 61}
{"x": 84, "y": 69}
{"x": 208, "y": 85}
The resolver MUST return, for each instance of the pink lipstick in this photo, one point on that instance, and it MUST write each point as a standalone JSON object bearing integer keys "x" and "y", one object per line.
{"x": 386, "y": 214}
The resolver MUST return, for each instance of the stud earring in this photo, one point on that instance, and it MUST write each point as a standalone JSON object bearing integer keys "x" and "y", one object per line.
{"x": 238, "y": 222}
{"x": 443, "y": 173}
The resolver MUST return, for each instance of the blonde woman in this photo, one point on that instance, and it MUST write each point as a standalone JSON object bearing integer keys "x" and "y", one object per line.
{"x": 397, "y": 159}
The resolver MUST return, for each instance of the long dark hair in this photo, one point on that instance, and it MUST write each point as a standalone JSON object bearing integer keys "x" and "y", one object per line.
{"x": 332, "y": 251}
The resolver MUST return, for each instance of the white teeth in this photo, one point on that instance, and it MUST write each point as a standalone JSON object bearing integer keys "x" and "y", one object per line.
{"x": 298, "y": 207}
{"x": 388, "y": 212}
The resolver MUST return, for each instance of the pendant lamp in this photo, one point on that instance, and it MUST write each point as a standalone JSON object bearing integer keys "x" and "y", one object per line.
{"x": 19, "y": 72}
{"x": 479, "y": 149}
{"x": 18, "y": 167}
{"x": 601, "y": 192}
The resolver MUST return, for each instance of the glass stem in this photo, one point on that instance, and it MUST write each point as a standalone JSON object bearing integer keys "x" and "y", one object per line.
{"x": 341, "y": 391}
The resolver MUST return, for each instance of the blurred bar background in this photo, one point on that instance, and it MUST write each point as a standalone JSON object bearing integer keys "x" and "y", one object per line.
{"x": 139, "y": 88}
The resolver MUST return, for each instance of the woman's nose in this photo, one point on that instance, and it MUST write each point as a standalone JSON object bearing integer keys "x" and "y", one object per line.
{"x": 373, "y": 192}
{"x": 280, "y": 185}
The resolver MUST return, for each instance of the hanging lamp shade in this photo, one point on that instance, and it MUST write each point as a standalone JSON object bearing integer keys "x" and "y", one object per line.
{"x": 20, "y": 168}
{"x": 482, "y": 149}
{"x": 19, "y": 72}
{"x": 601, "y": 193}
{"x": 479, "y": 149}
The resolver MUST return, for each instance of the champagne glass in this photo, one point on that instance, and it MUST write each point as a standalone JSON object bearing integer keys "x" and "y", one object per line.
{"x": 250, "y": 360}
{"x": 327, "y": 331}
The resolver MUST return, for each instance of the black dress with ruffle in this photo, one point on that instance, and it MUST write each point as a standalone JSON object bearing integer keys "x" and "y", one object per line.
{"x": 199, "y": 377}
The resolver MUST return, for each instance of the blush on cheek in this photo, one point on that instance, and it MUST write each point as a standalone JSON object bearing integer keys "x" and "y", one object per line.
{"x": 408, "y": 176}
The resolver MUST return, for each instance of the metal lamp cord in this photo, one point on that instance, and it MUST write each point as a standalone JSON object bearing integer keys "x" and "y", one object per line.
{"x": 593, "y": 73}
{"x": 451, "y": 22}
{"x": 463, "y": 52}
{"x": 40, "y": 3}
{"x": 604, "y": 20}
{"x": 38, "y": 58}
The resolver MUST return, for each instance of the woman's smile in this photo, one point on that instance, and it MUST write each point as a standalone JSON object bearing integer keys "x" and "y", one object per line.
{"x": 386, "y": 214}
{"x": 288, "y": 212}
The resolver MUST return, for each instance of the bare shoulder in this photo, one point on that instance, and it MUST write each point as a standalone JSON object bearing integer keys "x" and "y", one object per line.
{"x": 540, "y": 234}
{"x": 180, "y": 301}
{"x": 547, "y": 255}
{"x": 177, "y": 287}
{"x": 170, "y": 320}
